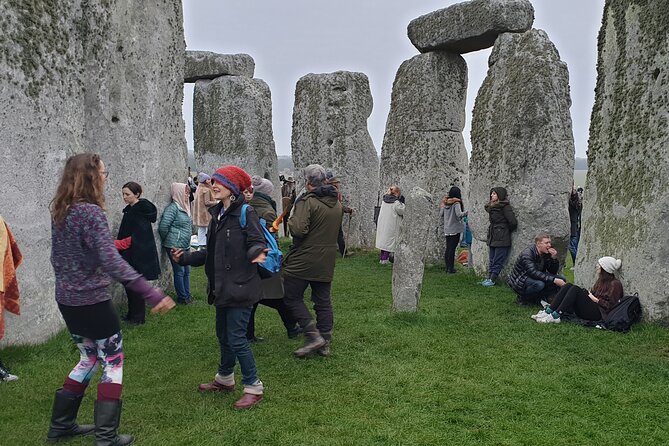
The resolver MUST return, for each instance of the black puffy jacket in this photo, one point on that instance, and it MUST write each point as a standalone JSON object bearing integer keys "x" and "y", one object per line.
{"x": 532, "y": 264}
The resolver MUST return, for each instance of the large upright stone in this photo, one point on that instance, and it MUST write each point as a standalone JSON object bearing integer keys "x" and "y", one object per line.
{"x": 522, "y": 140}
{"x": 330, "y": 128}
{"x": 207, "y": 65}
{"x": 626, "y": 202}
{"x": 423, "y": 143}
{"x": 470, "y": 26}
{"x": 232, "y": 124}
{"x": 411, "y": 249}
{"x": 96, "y": 76}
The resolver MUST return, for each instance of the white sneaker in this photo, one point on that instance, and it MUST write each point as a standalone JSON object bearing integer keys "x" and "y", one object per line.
{"x": 548, "y": 319}
{"x": 544, "y": 304}
{"x": 540, "y": 314}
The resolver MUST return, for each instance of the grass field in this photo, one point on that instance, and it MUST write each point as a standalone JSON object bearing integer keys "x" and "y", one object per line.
{"x": 470, "y": 368}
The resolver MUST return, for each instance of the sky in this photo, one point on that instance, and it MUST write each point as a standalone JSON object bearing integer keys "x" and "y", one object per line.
{"x": 291, "y": 38}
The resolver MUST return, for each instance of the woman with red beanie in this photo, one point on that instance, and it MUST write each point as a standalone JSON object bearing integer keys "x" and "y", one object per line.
{"x": 229, "y": 261}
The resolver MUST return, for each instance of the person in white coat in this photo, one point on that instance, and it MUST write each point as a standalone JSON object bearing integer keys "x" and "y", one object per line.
{"x": 388, "y": 228}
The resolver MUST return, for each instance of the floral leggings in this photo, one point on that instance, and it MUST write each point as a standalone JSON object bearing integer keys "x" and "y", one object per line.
{"x": 107, "y": 353}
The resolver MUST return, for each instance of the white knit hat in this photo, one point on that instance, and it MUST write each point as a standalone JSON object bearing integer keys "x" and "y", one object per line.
{"x": 610, "y": 264}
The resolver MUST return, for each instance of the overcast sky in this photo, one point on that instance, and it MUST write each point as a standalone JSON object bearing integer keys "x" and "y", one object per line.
{"x": 291, "y": 38}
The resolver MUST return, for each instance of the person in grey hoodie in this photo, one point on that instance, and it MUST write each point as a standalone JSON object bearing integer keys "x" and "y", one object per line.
{"x": 451, "y": 215}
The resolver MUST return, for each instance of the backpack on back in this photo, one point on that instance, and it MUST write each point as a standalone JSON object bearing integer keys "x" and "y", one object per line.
{"x": 272, "y": 264}
{"x": 623, "y": 315}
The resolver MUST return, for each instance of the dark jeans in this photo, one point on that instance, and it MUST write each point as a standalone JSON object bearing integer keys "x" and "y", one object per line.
{"x": 231, "y": 324}
{"x": 573, "y": 246}
{"x": 181, "y": 278}
{"x": 575, "y": 300}
{"x": 136, "y": 307}
{"x": 280, "y": 306}
{"x": 294, "y": 289}
{"x": 451, "y": 245}
{"x": 496, "y": 259}
{"x": 537, "y": 290}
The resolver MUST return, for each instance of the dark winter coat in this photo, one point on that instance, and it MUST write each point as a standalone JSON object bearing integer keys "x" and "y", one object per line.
{"x": 265, "y": 207}
{"x": 136, "y": 224}
{"x": 502, "y": 220}
{"x": 575, "y": 208}
{"x": 233, "y": 281}
{"x": 532, "y": 264}
{"x": 314, "y": 226}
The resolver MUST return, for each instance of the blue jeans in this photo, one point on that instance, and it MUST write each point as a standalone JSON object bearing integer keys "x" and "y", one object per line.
{"x": 231, "y": 325}
{"x": 181, "y": 278}
{"x": 533, "y": 286}
{"x": 573, "y": 246}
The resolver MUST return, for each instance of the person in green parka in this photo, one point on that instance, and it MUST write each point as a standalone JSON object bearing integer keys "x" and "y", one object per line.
{"x": 314, "y": 226}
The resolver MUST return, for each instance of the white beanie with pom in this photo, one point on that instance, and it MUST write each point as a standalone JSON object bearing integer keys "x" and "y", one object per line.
{"x": 610, "y": 264}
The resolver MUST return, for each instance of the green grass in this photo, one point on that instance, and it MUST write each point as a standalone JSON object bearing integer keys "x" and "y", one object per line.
{"x": 470, "y": 367}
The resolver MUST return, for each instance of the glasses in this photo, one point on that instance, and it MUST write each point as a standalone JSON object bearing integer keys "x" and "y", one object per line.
{"x": 105, "y": 174}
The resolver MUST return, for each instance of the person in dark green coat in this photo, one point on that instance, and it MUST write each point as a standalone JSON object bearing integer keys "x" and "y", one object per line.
{"x": 314, "y": 226}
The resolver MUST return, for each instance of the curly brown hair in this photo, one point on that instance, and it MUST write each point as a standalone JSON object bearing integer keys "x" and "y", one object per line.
{"x": 81, "y": 182}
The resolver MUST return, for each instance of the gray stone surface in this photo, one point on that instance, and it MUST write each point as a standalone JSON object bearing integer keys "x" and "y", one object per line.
{"x": 410, "y": 255}
{"x": 522, "y": 140}
{"x": 330, "y": 128}
{"x": 626, "y": 201}
{"x": 423, "y": 141}
{"x": 470, "y": 26}
{"x": 232, "y": 124}
{"x": 208, "y": 65}
{"x": 101, "y": 77}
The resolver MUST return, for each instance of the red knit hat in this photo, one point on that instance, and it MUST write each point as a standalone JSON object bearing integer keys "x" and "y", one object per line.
{"x": 233, "y": 178}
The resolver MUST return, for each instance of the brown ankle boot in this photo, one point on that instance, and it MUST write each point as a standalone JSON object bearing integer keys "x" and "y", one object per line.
{"x": 312, "y": 342}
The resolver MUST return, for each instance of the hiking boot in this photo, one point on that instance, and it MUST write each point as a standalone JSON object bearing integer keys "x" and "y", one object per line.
{"x": 294, "y": 332}
{"x": 312, "y": 342}
{"x": 324, "y": 350}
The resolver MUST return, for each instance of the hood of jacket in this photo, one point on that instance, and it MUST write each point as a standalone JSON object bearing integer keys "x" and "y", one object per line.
{"x": 267, "y": 198}
{"x": 390, "y": 198}
{"x": 143, "y": 208}
{"x": 325, "y": 194}
{"x": 501, "y": 192}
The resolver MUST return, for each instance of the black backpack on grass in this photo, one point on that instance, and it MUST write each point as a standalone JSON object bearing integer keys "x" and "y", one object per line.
{"x": 623, "y": 315}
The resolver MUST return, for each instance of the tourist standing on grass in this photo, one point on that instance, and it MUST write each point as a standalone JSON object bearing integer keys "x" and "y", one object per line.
{"x": 139, "y": 244}
{"x": 502, "y": 223}
{"x": 234, "y": 283}
{"x": 451, "y": 215}
{"x": 591, "y": 305}
{"x": 10, "y": 259}
{"x": 203, "y": 201}
{"x": 388, "y": 226}
{"x": 336, "y": 182}
{"x": 535, "y": 274}
{"x": 175, "y": 230}
{"x": 259, "y": 195}
{"x": 314, "y": 225}
{"x": 85, "y": 261}
{"x": 575, "y": 208}
{"x": 288, "y": 195}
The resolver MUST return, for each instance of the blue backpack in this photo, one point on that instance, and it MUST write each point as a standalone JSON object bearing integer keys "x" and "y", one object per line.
{"x": 272, "y": 264}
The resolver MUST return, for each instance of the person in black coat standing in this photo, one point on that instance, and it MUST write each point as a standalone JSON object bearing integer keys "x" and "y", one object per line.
{"x": 137, "y": 244}
{"x": 502, "y": 223}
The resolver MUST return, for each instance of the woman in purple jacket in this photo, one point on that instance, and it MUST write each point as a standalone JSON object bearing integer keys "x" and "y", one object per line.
{"x": 85, "y": 261}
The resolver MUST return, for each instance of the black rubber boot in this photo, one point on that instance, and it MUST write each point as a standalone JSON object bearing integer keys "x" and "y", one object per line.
{"x": 64, "y": 417}
{"x": 107, "y": 419}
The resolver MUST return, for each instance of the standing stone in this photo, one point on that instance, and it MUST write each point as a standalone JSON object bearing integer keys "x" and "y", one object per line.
{"x": 207, "y": 65}
{"x": 522, "y": 140}
{"x": 330, "y": 128}
{"x": 411, "y": 250}
{"x": 626, "y": 201}
{"x": 423, "y": 143}
{"x": 96, "y": 76}
{"x": 470, "y": 26}
{"x": 232, "y": 124}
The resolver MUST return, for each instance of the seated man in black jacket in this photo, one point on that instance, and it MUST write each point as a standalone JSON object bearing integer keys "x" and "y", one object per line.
{"x": 534, "y": 276}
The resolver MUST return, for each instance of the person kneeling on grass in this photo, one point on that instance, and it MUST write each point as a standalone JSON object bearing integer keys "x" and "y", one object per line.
{"x": 534, "y": 275}
{"x": 589, "y": 305}
{"x": 229, "y": 261}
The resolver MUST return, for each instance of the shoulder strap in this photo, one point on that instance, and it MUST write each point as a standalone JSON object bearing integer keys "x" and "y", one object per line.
{"x": 242, "y": 216}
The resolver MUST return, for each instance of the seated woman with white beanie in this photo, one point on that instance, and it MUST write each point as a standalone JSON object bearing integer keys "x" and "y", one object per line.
{"x": 589, "y": 305}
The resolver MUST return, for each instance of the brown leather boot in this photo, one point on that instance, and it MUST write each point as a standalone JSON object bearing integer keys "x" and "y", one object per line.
{"x": 312, "y": 342}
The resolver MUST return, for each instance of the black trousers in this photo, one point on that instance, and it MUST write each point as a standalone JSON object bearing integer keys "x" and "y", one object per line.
{"x": 294, "y": 289}
{"x": 451, "y": 245}
{"x": 341, "y": 243}
{"x": 575, "y": 300}
{"x": 280, "y": 306}
{"x": 136, "y": 307}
